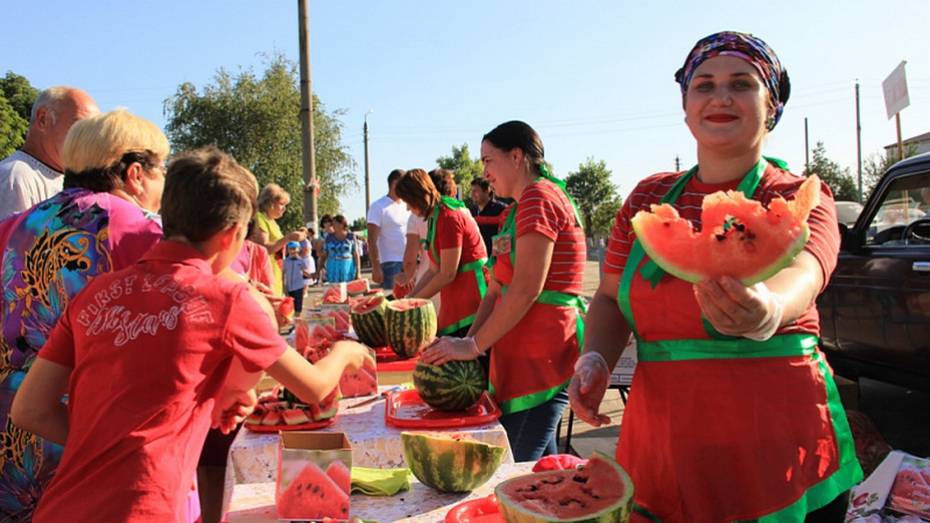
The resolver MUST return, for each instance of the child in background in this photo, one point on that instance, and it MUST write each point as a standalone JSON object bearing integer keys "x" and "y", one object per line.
{"x": 153, "y": 355}
{"x": 340, "y": 253}
{"x": 296, "y": 273}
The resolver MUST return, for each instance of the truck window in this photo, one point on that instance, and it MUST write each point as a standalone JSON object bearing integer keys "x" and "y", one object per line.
{"x": 906, "y": 201}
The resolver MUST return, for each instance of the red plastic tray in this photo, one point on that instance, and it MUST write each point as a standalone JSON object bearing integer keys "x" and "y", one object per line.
{"x": 388, "y": 361}
{"x": 481, "y": 510}
{"x": 405, "y": 409}
{"x": 313, "y": 425}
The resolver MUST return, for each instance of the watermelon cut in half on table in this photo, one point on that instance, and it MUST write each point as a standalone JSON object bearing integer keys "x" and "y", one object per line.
{"x": 367, "y": 315}
{"x": 450, "y": 464}
{"x": 600, "y": 490}
{"x": 457, "y": 385}
{"x": 738, "y": 237}
{"x": 312, "y": 495}
{"x": 410, "y": 325}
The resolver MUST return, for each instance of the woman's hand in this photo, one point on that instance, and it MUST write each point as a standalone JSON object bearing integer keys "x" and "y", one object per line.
{"x": 587, "y": 388}
{"x": 447, "y": 349}
{"x": 736, "y": 310}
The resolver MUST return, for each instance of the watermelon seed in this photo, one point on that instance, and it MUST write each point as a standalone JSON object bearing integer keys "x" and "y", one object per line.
{"x": 553, "y": 480}
{"x": 580, "y": 479}
{"x": 720, "y": 237}
{"x": 571, "y": 501}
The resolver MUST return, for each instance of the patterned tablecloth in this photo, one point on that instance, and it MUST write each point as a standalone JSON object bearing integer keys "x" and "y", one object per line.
{"x": 254, "y": 502}
{"x": 253, "y": 457}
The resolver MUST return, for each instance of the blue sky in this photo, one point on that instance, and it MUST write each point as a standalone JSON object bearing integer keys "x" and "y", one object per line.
{"x": 594, "y": 78}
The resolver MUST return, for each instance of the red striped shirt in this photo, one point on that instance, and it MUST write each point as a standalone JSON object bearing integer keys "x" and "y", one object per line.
{"x": 823, "y": 243}
{"x": 544, "y": 209}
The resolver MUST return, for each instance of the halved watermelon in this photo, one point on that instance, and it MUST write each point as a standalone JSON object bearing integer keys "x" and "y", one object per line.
{"x": 410, "y": 325}
{"x": 368, "y": 320}
{"x": 738, "y": 237}
{"x": 312, "y": 495}
{"x": 600, "y": 490}
{"x": 450, "y": 464}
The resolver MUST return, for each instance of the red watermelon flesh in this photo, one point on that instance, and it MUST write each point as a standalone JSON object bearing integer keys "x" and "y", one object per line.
{"x": 340, "y": 474}
{"x": 364, "y": 382}
{"x": 599, "y": 490}
{"x": 327, "y": 408}
{"x": 312, "y": 495}
{"x": 738, "y": 238}
{"x": 358, "y": 286}
{"x": 341, "y": 318}
{"x": 294, "y": 417}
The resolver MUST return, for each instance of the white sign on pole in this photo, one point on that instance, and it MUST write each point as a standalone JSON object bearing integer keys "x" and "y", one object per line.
{"x": 895, "y": 88}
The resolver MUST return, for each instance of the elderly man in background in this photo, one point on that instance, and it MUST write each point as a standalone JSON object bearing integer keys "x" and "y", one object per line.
{"x": 34, "y": 172}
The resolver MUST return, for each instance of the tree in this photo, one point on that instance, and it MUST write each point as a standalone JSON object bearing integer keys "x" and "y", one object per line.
{"x": 838, "y": 179}
{"x": 16, "y": 98}
{"x": 876, "y": 164}
{"x": 605, "y": 215}
{"x": 463, "y": 165}
{"x": 591, "y": 188}
{"x": 359, "y": 224}
{"x": 255, "y": 119}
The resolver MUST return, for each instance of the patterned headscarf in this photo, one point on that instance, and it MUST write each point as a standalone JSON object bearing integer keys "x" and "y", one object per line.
{"x": 748, "y": 48}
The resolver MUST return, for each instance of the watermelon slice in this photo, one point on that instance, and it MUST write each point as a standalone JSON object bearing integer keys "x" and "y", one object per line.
{"x": 356, "y": 287}
{"x": 739, "y": 237}
{"x": 340, "y": 474}
{"x": 312, "y": 495}
{"x": 364, "y": 382}
{"x": 272, "y": 418}
{"x": 294, "y": 417}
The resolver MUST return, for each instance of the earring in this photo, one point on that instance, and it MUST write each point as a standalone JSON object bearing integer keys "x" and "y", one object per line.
{"x": 770, "y": 123}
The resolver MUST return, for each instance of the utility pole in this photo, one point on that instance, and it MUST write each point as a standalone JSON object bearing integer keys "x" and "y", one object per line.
{"x": 858, "y": 141}
{"x": 367, "y": 176}
{"x": 306, "y": 115}
{"x": 677, "y": 164}
{"x": 807, "y": 149}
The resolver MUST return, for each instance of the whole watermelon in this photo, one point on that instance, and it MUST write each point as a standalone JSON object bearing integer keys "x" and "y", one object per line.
{"x": 450, "y": 464}
{"x": 457, "y": 385}
{"x": 410, "y": 325}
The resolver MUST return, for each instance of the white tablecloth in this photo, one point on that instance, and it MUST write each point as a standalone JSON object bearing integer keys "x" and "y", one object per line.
{"x": 254, "y": 502}
{"x": 253, "y": 458}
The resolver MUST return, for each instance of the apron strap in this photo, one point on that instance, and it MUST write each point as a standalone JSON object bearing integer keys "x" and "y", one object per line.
{"x": 476, "y": 267}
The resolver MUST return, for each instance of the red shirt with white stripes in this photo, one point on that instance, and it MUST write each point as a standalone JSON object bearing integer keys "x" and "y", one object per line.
{"x": 656, "y": 318}
{"x": 460, "y": 298}
{"x": 544, "y": 209}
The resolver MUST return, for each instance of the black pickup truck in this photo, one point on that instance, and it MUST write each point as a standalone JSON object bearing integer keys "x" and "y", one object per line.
{"x": 875, "y": 311}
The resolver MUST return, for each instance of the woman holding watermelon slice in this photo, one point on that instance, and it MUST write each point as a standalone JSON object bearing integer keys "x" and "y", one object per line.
{"x": 453, "y": 243}
{"x": 532, "y": 316}
{"x": 733, "y": 413}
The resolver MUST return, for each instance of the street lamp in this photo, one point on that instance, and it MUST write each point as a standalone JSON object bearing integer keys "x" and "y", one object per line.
{"x": 367, "y": 177}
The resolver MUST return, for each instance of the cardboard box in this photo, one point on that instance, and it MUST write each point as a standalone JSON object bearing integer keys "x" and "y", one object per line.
{"x": 314, "y": 476}
{"x": 314, "y": 331}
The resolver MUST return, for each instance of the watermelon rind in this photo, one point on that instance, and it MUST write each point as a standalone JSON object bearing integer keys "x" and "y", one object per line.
{"x": 369, "y": 325}
{"x": 449, "y": 464}
{"x": 410, "y": 325}
{"x": 457, "y": 385}
{"x": 618, "y": 512}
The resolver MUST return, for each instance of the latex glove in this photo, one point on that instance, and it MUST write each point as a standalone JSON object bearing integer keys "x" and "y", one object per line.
{"x": 447, "y": 349}
{"x": 231, "y": 408}
{"x": 587, "y": 388}
{"x": 736, "y": 310}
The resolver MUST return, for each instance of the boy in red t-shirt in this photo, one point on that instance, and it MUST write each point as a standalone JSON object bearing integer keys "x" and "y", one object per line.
{"x": 153, "y": 355}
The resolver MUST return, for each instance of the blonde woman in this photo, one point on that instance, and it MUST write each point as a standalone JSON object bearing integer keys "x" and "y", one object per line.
{"x": 272, "y": 202}
{"x": 103, "y": 221}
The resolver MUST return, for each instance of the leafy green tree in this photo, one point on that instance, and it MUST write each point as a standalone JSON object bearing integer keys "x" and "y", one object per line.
{"x": 464, "y": 166}
{"x": 591, "y": 188}
{"x": 255, "y": 118}
{"x": 16, "y": 98}
{"x": 839, "y": 180}
{"x": 604, "y": 216}
{"x": 359, "y": 224}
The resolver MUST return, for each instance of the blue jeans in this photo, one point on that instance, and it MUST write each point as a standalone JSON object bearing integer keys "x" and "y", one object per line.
{"x": 531, "y": 433}
{"x": 390, "y": 270}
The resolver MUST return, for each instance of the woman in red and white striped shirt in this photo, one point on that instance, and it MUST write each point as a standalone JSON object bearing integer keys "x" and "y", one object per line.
{"x": 533, "y": 316}
{"x": 733, "y": 413}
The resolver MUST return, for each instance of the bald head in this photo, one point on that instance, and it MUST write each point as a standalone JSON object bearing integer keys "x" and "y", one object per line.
{"x": 53, "y": 113}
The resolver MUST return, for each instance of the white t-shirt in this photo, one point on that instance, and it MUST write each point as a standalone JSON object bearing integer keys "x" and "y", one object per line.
{"x": 24, "y": 182}
{"x": 391, "y": 217}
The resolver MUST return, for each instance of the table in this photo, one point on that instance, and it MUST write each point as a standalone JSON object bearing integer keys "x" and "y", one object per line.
{"x": 253, "y": 458}
{"x": 254, "y": 502}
